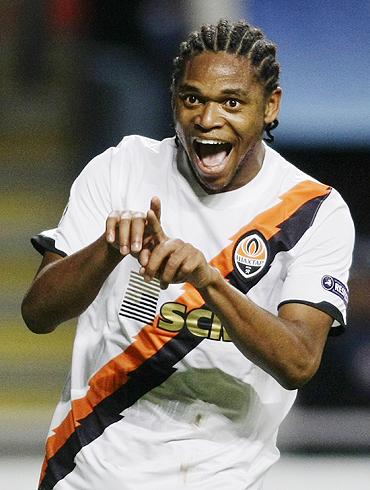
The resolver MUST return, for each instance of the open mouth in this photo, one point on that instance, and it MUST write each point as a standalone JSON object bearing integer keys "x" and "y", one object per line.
{"x": 211, "y": 153}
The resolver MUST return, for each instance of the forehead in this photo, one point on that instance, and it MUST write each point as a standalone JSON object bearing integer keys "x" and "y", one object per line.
{"x": 219, "y": 71}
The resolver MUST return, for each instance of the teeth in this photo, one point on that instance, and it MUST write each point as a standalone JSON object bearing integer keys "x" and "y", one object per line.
{"x": 210, "y": 142}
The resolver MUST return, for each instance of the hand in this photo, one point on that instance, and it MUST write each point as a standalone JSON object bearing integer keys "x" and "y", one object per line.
{"x": 174, "y": 261}
{"x": 131, "y": 233}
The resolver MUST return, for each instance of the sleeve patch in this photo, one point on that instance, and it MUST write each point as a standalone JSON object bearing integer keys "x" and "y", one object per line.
{"x": 330, "y": 283}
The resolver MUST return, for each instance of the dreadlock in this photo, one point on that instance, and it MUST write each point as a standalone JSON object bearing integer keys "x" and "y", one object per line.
{"x": 237, "y": 38}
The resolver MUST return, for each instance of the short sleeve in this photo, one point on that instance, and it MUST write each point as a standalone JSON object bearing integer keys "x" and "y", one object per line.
{"x": 45, "y": 242}
{"x": 318, "y": 272}
{"x": 84, "y": 217}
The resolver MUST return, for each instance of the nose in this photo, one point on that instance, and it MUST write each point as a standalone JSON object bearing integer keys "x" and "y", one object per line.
{"x": 209, "y": 117}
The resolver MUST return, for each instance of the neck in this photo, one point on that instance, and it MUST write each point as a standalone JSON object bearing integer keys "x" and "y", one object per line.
{"x": 249, "y": 167}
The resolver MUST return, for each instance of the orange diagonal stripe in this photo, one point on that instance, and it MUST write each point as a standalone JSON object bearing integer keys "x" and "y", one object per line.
{"x": 150, "y": 340}
{"x": 268, "y": 221}
{"x": 114, "y": 374}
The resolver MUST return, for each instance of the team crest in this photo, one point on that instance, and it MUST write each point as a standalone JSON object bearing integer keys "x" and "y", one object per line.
{"x": 250, "y": 255}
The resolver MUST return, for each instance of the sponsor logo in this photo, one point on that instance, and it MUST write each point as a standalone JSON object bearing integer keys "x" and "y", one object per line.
{"x": 250, "y": 255}
{"x": 333, "y": 285}
{"x": 201, "y": 322}
{"x": 140, "y": 304}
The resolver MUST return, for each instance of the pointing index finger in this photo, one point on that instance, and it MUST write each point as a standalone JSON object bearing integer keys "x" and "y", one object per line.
{"x": 155, "y": 205}
{"x": 155, "y": 225}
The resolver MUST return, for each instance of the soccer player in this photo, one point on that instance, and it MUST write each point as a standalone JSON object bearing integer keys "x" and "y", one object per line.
{"x": 206, "y": 272}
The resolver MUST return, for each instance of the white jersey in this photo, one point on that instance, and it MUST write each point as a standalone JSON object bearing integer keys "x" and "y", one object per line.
{"x": 158, "y": 395}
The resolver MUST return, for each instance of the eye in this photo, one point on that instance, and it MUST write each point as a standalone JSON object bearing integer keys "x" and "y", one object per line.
{"x": 232, "y": 103}
{"x": 190, "y": 100}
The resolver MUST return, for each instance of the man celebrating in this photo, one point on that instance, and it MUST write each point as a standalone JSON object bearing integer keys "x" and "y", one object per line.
{"x": 199, "y": 317}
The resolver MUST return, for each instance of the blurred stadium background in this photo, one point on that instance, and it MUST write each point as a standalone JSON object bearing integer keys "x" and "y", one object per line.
{"x": 77, "y": 75}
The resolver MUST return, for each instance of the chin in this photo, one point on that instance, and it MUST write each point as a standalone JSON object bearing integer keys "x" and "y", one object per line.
{"x": 213, "y": 186}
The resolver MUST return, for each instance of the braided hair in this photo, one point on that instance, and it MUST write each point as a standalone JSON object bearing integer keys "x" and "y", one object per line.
{"x": 237, "y": 38}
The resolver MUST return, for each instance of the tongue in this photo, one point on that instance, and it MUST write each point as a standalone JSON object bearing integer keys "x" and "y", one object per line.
{"x": 212, "y": 158}
{"x": 215, "y": 159}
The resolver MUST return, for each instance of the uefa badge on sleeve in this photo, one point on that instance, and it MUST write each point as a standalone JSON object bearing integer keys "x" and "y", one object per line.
{"x": 250, "y": 255}
{"x": 335, "y": 286}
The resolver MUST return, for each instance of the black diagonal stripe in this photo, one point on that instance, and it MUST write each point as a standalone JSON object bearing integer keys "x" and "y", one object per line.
{"x": 291, "y": 231}
{"x": 149, "y": 375}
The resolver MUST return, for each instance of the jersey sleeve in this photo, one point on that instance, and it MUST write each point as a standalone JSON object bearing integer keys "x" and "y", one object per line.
{"x": 84, "y": 217}
{"x": 319, "y": 270}
{"x": 45, "y": 242}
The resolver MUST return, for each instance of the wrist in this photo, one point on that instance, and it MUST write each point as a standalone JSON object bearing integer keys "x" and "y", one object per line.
{"x": 111, "y": 254}
{"x": 211, "y": 281}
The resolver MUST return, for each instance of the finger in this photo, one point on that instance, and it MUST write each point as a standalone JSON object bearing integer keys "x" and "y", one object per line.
{"x": 137, "y": 231}
{"x": 194, "y": 269}
{"x": 110, "y": 226}
{"x": 153, "y": 221}
{"x": 155, "y": 205}
{"x": 158, "y": 258}
{"x": 172, "y": 270}
{"x": 124, "y": 232}
{"x": 144, "y": 257}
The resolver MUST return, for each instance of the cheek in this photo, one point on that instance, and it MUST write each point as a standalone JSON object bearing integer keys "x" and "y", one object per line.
{"x": 251, "y": 126}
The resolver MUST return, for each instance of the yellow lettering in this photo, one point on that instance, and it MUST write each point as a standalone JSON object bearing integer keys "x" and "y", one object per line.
{"x": 225, "y": 336}
{"x": 215, "y": 328}
{"x": 192, "y": 321}
{"x": 172, "y": 316}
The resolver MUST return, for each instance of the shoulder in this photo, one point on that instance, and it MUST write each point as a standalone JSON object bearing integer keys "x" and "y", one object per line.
{"x": 132, "y": 156}
{"x": 139, "y": 146}
{"x": 286, "y": 172}
{"x": 317, "y": 207}
{"x": 129, "y": 148}
{"x": 292, "y": 177}
{"x": 334, "y": 216}
{"x": 137, "y": 156}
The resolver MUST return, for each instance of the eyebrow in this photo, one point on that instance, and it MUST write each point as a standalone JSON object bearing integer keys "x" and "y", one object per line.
{"x": 190, "y": 88}
{"x": 227, "y": 91}
{"x": 235, "y": 91}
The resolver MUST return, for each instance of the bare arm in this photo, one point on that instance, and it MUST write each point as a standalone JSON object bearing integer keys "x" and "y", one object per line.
{"x": 64, "y": 287}
{"x": 288, "y": 346}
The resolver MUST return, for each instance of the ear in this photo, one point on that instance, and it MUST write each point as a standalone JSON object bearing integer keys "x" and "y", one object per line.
{"x": 272, "y": 105}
